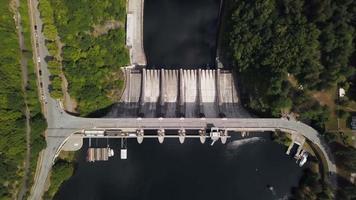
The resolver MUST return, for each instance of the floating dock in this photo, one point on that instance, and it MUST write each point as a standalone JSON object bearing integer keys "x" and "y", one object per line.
{"x": 99, "y": 154}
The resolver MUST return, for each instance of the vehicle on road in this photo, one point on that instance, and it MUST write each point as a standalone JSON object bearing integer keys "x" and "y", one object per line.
{"x": 303, "y": 159}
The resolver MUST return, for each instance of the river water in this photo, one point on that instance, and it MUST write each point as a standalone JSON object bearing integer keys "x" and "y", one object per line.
{"x": 242, "y": 169}
{"x": 182, "y": 33}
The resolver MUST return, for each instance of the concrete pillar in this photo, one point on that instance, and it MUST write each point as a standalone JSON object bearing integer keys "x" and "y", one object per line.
{"x": 143, "y": 86}
{"x": 181, "y": 134}
{"x": 161, "y": 135}
{"x": 126, "y": 95}
{"x": 181, "y": 91}
{"x": 163, "y": 83}
{"x": 218, "y": 94}
{"x": 217, "y": 82}
{"x": 290, "y": 147}
{"x": 201, "y": 76}
{"x": 142, "y": 98}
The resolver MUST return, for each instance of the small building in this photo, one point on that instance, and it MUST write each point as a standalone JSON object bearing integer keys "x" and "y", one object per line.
{"x": 342, "y": 92}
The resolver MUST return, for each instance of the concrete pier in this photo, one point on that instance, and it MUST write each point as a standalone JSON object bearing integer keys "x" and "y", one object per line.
{"x": 134, "y": 32}
{"x": 296, "y": 139}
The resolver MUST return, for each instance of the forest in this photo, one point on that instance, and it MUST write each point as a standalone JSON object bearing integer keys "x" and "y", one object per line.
{"x": 286, "y": 53}
{"x": 12, "y": 120}
{"x": 12, "y": 103}
{"x": 62, "y": 170}
{"x": 37, "y": 121}
{"x": 290, "y": 47}
{"x": 91, "y": 61}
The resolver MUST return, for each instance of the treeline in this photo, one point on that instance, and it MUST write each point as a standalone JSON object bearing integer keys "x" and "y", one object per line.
{"x": 90, "y": 62}
{"x": 312, "y": 187}
{"x": 12, "y": 119}
{"x": 37, "y": 121}
{"x": 13, "y": 100}
{"x": 290, "y": 47}
{"x": 52, "y": 41}
{"x": 62, "y": 170}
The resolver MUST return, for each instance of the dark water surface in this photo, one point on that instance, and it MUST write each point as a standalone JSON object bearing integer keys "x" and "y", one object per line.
{"x": 239, "y": 170}
{"x": 180, "y": 33}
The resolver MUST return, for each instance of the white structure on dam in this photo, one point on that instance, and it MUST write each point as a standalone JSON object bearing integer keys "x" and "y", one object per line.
{"x": 181, "y": 93}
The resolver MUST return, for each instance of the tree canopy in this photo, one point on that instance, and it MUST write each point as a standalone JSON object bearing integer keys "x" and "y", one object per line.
{"x": 288, "y": 47}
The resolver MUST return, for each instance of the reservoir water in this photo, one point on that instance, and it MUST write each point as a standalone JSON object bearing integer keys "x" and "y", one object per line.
{"x": 182, "y": 33}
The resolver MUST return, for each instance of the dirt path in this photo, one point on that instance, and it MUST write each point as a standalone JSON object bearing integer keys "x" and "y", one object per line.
{"x": 106, "y": 27}
{"x": 69, "y": 103}
{"x": 24, "y": 73}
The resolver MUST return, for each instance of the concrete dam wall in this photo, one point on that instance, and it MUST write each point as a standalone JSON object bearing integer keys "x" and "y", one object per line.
{"x": 179, "y": 93}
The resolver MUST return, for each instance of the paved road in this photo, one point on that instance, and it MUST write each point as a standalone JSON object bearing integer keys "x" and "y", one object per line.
{"x": 48, "y": 104}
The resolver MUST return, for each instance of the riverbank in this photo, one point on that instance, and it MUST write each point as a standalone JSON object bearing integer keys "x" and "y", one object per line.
{"x": 62, "y": 170}
{"x": 260, "y": 50}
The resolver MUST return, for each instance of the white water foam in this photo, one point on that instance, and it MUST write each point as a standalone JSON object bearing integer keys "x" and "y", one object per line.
{"x": 233, "y": 147}
{"x": 237, "y": 143}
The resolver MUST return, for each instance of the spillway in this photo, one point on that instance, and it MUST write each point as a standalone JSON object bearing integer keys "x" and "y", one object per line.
{"x": 189, "y": 93}
{"x": 208, "y": 95}
{"x": 169, "y": 92}
{"x": 179, "y": 93}
{"x": 150, "y": 92}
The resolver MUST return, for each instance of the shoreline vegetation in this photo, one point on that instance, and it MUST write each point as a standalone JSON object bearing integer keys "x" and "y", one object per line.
{"x": 62, "y": 170}
{"x": 13, "y": 101}
{"x": 87, "y": 45}
{"x": 38, "y": 123}
{"x": 295, "y": 50}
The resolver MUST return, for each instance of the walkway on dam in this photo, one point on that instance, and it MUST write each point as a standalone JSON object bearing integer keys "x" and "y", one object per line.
{"x": 134, "y": 32}
{"x": 66, "y": 125}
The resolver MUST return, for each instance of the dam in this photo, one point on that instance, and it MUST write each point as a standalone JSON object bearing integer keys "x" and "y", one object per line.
{"x": 174, "y": 93}
{"x": 181, "y": 100}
